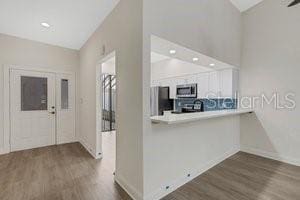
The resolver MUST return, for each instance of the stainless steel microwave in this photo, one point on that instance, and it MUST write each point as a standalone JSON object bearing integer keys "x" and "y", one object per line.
{"x": 186, "y": 91}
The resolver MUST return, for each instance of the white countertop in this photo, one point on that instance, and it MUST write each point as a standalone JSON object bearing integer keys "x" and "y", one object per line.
{"x": 190, "y": 117}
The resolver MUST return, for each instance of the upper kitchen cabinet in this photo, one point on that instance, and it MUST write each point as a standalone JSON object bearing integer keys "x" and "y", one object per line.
{"x": 154, "y": 83}
{"x": 223, "y": 83}
{"x": 173, "y": 83}
{"x": 215, "y": 84}
{"x": 214, "y": 89}
{"x": 202, "y": 84}
{"x": 229, "y": 80}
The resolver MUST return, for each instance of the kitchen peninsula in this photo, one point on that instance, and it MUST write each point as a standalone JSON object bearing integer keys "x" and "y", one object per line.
{"x": 195, "y": 116}
{"x": 170, "y": 118}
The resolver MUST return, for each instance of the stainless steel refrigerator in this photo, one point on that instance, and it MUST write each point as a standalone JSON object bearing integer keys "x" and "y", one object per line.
{"x": 160, "y": 100}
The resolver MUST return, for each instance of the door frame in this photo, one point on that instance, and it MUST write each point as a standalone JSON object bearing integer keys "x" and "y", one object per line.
{"x": 7, "y": 103}
{"x": 98, "y": 116}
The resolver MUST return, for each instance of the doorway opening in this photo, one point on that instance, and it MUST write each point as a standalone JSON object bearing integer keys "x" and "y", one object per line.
{"x": 108, "y": 100}
{"x": 106, "y": 108}
{"x": 108, "y": 118}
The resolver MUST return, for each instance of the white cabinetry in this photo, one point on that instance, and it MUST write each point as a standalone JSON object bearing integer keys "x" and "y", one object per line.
{"x": 229, "y": 83}
{"x": 216, "y": 84}
{"x": 173, "y": 85}
{"x": 235, "y": 82}
{"x": 226, "y": 83}
{"x": 203, "y": 85}
{"x": 223, "y": 83}
{"x": 154, "y": 83}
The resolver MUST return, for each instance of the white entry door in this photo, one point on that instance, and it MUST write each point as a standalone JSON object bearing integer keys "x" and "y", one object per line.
{"x": 32, "y": 106}
{"x": 65, "y": 101}
{"x": 42, "y": 107}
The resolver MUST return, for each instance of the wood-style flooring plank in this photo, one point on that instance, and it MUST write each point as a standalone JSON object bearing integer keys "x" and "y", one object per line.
{"x": 63, "y": 172}
{"x": 68, "y": 172}
{"x": 243, "y": 177}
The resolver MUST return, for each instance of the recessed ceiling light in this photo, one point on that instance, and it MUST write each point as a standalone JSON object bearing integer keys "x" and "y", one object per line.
{"x": 172, "y": 51}
{"x": 45, "y": 24}
{"x": 212, "y": 64}
{"x": 195, "y": 59}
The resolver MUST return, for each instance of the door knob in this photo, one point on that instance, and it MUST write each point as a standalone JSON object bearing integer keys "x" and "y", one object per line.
{"x": 52, "y": 112}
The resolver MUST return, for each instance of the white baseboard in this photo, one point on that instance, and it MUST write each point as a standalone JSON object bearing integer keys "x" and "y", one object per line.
{"x": 131, "y": 191}
{"x": 163, "y": 191}
{"x": 67, "y": 141}
{"x": 90, "y": 150}
{"x": 271, "y": 155}
{"x": 4, "y": 151}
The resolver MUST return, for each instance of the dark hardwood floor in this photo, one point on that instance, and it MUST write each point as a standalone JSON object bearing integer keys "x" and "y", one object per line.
{"x": 68, "y": 172}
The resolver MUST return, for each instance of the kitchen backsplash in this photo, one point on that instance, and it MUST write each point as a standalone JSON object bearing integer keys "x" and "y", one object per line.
{"x": 209, "y": 104}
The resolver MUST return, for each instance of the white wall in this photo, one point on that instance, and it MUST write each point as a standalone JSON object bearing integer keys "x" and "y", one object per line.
{"x": 174, "y": 68}
{"x": 211, "y": 27}
{"x": 121, "y": 32}
{"x": 26, "y": 53}
{"x": 271, "y": 49}
{"x": 174, "y": 151}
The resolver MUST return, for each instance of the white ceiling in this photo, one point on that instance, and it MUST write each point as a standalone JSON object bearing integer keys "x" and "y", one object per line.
{"x": 155, "y": 57}
{"x": 72, "y": 21}
{"x": 160, "y": 49}
{"x": 244, "y": 5}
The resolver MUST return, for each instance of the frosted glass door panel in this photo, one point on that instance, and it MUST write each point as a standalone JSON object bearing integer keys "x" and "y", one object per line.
{"x": 33, "y": 93}
{"x": 64, "y": 94}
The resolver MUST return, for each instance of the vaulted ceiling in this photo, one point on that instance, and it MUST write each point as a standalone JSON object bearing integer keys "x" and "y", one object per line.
{"x": 71, "y": 22}
{"x": 244, "y": 5}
